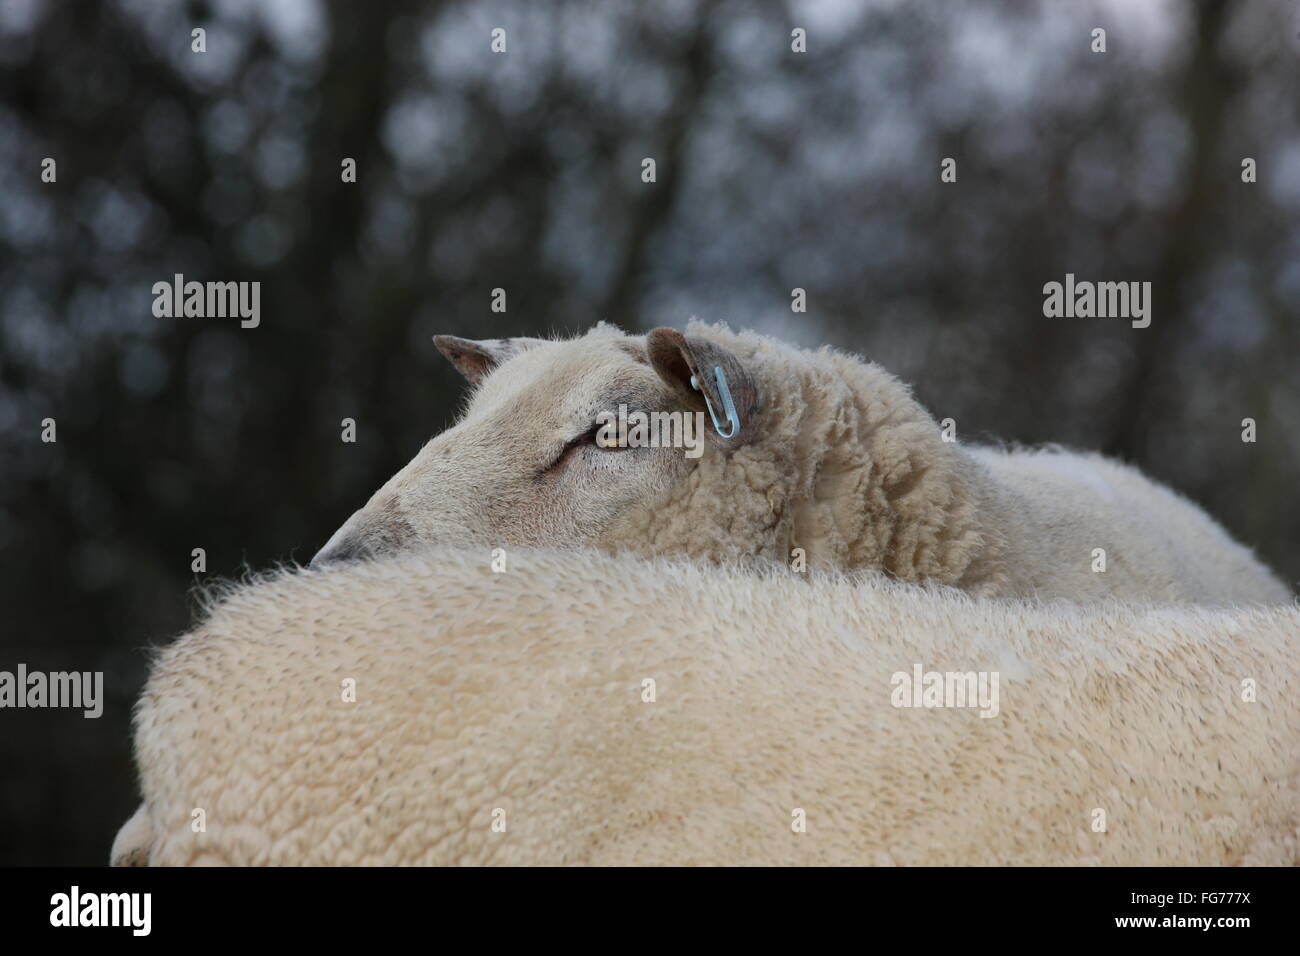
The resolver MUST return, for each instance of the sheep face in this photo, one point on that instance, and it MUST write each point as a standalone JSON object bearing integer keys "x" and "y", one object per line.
{"x": 529, "y": 461}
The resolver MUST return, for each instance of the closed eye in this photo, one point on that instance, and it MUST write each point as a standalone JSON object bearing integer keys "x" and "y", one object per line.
{"x": 588, "y": 439}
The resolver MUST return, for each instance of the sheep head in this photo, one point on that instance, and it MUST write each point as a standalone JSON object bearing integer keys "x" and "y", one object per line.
{"x": 537, "y": 458}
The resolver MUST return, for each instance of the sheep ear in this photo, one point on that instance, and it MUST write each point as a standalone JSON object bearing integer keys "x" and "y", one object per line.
{"x": 475, "y": 359}
{"x": 678, "y": 358}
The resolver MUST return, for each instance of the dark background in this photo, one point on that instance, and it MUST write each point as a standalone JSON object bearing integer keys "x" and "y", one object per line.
{"x": 522, "y": 171}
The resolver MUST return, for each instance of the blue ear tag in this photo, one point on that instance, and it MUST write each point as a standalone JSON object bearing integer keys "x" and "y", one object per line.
{"x": 727, "y": 404}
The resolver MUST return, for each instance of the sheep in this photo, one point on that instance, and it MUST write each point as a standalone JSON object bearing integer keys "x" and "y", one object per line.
{"x": 832, "y": 464}
{"x": 579, "y": 708}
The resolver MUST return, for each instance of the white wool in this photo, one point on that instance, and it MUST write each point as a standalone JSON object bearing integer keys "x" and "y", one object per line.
{"x": 1124, "y": 734}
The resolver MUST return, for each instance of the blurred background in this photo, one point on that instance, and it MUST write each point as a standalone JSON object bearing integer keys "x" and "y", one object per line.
{"x": 522, "y": 170}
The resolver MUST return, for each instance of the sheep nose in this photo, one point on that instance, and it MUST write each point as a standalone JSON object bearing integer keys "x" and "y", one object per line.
{"x": 338, "y": 553}
{"x": 342, "y": 547}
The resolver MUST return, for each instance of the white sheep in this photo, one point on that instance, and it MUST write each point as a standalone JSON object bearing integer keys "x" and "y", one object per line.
{"x": 586, "y": 709}
{"x": 832, "y": 463}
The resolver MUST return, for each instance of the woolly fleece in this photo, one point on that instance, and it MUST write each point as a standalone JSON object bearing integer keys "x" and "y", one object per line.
{"x": 523, "y": 692}
{"x": 848, "y": 466}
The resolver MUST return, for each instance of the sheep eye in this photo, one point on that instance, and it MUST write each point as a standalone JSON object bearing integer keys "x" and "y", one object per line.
{"x": 592, "y": 437}
{"x": 588, "y": 438}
